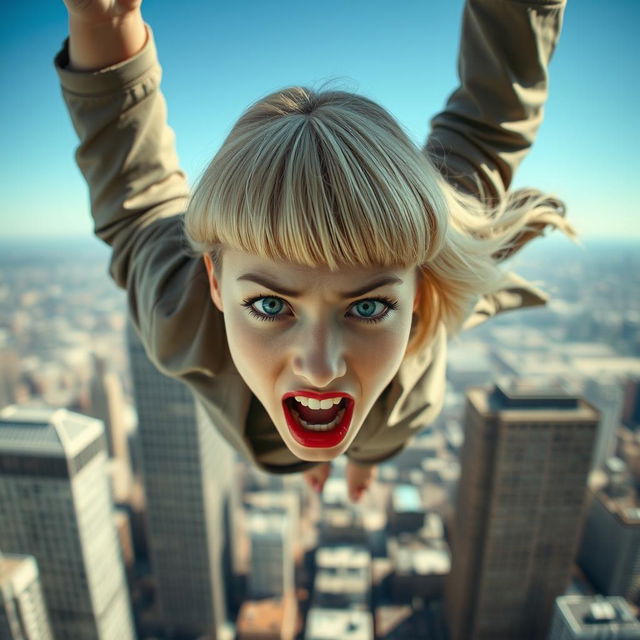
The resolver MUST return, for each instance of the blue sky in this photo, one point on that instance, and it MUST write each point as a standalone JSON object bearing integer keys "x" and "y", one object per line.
{"x": 218, "y": 58}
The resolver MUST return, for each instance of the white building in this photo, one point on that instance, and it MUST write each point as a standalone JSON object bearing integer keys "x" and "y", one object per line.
{"x": 23, "y": 614}
{"x": 55, "y": 505}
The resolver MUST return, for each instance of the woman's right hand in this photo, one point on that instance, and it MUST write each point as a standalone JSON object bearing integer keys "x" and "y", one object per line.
{"x": 101, "y": 11}
{"x": 104, "y": 32}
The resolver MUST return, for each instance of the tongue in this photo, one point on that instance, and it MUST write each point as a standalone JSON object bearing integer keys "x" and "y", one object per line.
{"x": 317, "y": 416}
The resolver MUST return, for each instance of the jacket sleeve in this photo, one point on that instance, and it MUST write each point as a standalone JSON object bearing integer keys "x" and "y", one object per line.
{"x": 127, "y": 155}
{"x": 490, "y": 121}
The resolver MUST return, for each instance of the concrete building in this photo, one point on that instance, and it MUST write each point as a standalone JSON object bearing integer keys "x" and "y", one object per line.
{"x": 55, "y": 505}
{"x": 420, "y": 567}
{"x": 340, "y": 522}
{"x": 609, "y": 551}
{"x": 593, "y": 618}
{"x": 23, "y": 613}
{"x": 607, "y": 397}
{"x": 406, "y": 511}
{"x": 286, "y": 503}
{"x": 272, "y": 561}
{"x": 186, "y": 467}
{"x": 519, "y": 510}
{"x": 343, "y": 578}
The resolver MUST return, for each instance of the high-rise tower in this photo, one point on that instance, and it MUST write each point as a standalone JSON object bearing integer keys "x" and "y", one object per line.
{"x": 519, "y": 510}
{"x": 55, "y": 505}
{"x": 187, "y": 471}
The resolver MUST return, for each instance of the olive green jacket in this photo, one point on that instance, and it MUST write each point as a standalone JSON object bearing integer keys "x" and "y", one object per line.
{"x": 138, "y": 193}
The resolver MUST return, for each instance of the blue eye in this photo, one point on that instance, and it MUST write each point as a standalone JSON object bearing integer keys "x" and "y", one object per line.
{"x": 266, "y": 307}
{"x": 367, "y": 308}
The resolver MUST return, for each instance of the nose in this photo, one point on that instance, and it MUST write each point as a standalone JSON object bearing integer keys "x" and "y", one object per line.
{"x": 319, "y": 355}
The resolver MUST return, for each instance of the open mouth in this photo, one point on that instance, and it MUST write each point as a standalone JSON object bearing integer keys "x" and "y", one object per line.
{"x": 320, "y": 421}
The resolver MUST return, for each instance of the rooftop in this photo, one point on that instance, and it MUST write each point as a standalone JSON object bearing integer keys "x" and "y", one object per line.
{"x": 46, "y": 431}
{"x": 330, "y": 624}
{"x": 261, "y": 616}
{"x": 406, "y": 498}
{"x": 606, "y": 614}
{"x": 344, "y": 556}
{"x": 17, "y": 572}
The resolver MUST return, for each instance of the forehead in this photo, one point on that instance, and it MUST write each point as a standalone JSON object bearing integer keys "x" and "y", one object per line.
{"x": 238, "y": 263}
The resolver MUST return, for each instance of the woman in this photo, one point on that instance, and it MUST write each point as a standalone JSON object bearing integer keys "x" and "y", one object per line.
{"x": 307, "y": 294}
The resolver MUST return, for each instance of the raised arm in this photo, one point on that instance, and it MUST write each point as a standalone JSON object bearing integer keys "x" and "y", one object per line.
{"x": 490, "y": 121}
{"x": 127, "y": 155}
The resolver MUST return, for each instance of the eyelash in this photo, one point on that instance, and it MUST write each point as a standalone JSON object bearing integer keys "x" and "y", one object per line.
{"x": 392, "y": 305}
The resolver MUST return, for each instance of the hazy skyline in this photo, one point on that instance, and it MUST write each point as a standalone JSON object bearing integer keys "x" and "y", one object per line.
{"x": 217, "y": 59}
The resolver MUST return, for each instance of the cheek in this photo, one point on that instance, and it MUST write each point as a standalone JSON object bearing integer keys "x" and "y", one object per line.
{"x": 253, "y": 354}
{"x": 378, "y": 357}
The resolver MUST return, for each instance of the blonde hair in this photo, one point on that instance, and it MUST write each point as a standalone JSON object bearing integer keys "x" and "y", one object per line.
{"x": 330, "y": 178}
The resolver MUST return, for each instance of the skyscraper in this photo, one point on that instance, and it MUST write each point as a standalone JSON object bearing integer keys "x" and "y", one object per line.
{"x": 23, "y": 614}
{"x": 524, "y": 466}
{"x": 186, "y": 467}
{"x": 55, "y": 505}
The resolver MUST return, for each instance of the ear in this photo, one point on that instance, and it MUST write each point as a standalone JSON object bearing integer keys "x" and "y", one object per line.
{"x": 214, "y": 283}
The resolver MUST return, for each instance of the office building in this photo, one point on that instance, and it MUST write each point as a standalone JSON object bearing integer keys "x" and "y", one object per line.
{"x": 419, "y": 567}
{"x": 340, "y": 522}
{"x": 609, "y": 551}
{"x": 186, "y": 467}
{"x": 55, "y": 505}
{"x": 519, "y": 509}
{"x": 23, "y": 614}
{"x": 593, "y": 618}
{"x": 607, "y": 397}
{"x": 272, "y": 566}
{"x": 406, "y": 511}
{"x": 343, "y": 578}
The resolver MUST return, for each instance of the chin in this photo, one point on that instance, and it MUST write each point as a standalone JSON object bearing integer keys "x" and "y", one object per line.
{"x": 309, "y": 454}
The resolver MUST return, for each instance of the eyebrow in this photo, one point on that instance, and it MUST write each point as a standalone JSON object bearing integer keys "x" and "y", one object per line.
{"x": 290, "y": 293}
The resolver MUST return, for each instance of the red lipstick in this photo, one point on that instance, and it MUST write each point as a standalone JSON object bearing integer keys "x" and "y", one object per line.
{"x": 318, "y": 439}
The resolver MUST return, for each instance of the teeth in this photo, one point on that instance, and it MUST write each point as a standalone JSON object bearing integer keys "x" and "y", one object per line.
{"x": 319, "y": 427}
{"x": 312, "y": 403}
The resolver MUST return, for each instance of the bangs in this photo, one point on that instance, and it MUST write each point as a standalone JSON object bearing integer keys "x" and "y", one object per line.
{"x": 317, "y": 186}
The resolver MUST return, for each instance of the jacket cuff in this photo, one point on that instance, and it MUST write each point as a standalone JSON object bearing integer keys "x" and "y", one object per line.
{"x": 107, "y": 80}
